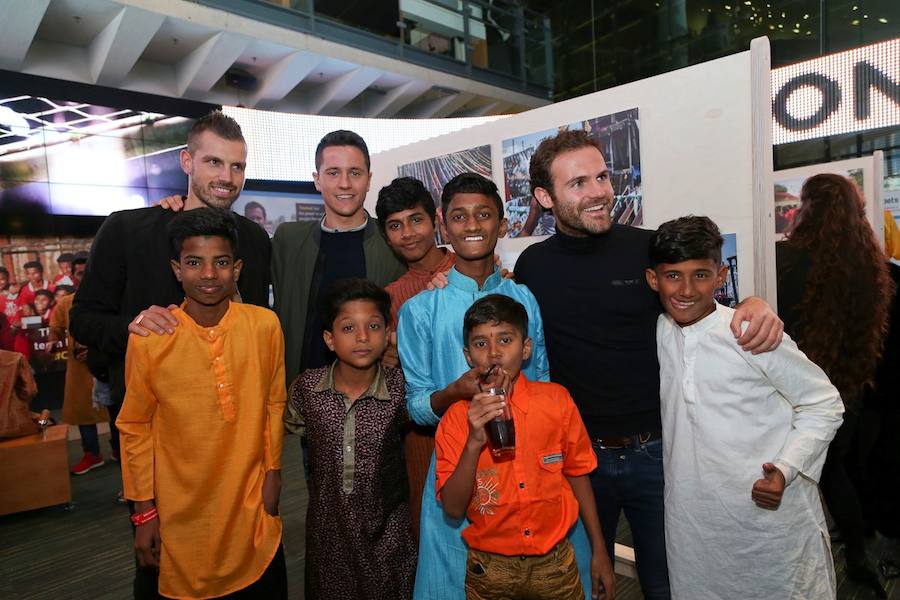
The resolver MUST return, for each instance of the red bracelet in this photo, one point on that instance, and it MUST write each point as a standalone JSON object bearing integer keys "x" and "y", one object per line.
{"x": 144, "y": 517}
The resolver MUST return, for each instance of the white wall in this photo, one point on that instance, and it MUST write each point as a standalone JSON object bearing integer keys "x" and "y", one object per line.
{"x": 697, "y": 147}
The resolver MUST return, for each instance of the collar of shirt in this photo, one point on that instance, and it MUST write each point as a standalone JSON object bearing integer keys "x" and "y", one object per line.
{"x": 446, "y": 263}
{"x": 328, "y": 229}
{"x": 211, "y": 333}
{"x": 520, "y": 393}
{"x": 701, "y": 326}
{"x": 377, "y": 389}
{"x": 467, "y": 284}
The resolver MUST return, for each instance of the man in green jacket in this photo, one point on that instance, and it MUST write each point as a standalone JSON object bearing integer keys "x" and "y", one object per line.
{"x": 307, "y": 257}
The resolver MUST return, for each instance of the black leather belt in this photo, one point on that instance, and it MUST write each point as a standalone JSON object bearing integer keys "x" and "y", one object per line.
{"x": 617, "y": 442}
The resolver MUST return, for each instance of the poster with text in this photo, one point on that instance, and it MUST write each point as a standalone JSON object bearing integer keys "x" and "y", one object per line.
{"x": 435, "y": 172}
{"x": 618, "y": 135}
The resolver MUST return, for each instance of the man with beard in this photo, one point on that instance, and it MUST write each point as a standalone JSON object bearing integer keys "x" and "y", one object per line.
{"x": 600, "y": 329}
{"x": 129, "y": 269}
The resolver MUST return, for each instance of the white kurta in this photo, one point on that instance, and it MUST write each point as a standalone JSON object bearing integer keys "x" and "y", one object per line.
{"x": 725, "y": 412}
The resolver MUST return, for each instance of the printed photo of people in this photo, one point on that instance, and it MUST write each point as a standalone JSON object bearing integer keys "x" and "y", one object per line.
{"x": 436, "y": 172}
{"x": 271, "y": 209}
{"x": 728, "y": 293}
{"x": 35, "y": 273}
{"x": 619, "y": 137}
{"x": 787, "y": 199}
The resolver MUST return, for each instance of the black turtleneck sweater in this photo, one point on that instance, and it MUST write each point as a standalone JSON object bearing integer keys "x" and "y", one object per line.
{"x": 600, "y": 325}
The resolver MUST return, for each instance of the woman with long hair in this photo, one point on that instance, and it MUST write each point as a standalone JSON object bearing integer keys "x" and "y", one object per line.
{"x": 834, "y": 296}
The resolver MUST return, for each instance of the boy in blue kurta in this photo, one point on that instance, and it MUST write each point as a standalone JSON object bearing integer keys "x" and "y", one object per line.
{"x": 430, "y": 341}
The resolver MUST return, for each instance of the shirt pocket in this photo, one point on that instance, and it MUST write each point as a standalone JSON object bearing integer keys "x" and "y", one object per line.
{"x": 550, "y": 475}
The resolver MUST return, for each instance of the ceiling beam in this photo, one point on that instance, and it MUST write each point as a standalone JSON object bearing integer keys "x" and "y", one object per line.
{"x": 115, "y": 50}
{"x": 202, "y": 68}
{"x": 332, "y": 96}
{"x": 19, "y": 22}
{"x": 282, "y": 77}
{"x": 398, "y": 98}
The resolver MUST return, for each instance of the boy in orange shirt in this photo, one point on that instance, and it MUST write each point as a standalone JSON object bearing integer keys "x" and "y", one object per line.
{"x": 201, "y": 429}
{"x": 522, "y": 506}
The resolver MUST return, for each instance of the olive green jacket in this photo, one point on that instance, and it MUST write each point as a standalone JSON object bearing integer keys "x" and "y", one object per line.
{"x": 295, "y": 249}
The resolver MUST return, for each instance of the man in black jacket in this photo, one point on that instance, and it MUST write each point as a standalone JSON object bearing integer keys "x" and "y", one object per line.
{"x": 128, "y": 269}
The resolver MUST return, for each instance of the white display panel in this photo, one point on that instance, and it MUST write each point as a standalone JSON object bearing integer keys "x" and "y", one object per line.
{"x": 699, "y": 152}
{"x": 281, "y": 146}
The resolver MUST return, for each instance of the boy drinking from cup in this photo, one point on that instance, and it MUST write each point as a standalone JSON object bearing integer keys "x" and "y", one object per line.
{"x": 521, "y": 501}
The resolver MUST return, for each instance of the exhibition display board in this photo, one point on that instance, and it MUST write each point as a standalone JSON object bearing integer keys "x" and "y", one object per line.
{"x": 866, "y": 172}
{"x": 693, "y": 141}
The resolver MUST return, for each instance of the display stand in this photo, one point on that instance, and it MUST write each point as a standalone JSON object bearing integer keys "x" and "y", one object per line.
{"x": 34, "y": 471}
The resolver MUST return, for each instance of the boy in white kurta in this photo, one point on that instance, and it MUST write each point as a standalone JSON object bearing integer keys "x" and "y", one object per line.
{"x": 744, "y": 439}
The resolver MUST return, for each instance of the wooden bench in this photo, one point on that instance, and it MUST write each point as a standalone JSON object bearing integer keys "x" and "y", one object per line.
{"x": 34, "y": 471}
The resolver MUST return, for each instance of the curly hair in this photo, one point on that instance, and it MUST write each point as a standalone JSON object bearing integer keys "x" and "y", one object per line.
{"x": 844, "y": 311}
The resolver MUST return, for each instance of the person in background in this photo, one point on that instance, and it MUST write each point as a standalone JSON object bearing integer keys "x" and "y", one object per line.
{"x": 359, "y": 542}
{"x": 64, "y": 276}
{"x": 78, "y": 408}
{"x": 834, "y": 294}
{"x": 34, "y": 276}
{"x": 256, "y": 212}
{"x": 744, "y": 438}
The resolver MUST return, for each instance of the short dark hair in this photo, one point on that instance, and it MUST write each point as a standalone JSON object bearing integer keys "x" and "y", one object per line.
{"x": 65, "y": 257}
{"x": 47, "y": 293}
{"x": 687, "y": 238}
{"x": 403, "y": 193}
{"x": 470, "y": 183}
{"x": 62, "y": 287}
{"x": 348, "y": 290}
{"x": 342, "y": 137}
{"x": 220, "y": 124}
{"x": 4, "y": 271}
{"x": 81, "y": 258}
{"x": 203, "y": 222}
{"x": 254, "y": 204}
{"x": 495, "y": 309}
{"x": 33, "y": 264}
{"x": 566, "y": 140}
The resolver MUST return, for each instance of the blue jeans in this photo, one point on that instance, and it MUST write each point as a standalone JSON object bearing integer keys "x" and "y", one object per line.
{"x": 631, "y": 479}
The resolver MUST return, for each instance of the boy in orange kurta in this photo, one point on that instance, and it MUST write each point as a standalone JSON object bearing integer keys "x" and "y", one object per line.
{"x": 201, "y": 429}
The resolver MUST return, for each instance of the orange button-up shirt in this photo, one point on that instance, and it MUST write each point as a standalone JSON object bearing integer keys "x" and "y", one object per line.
{"x": 523, "y": 506}
{"x": 200, "y": 427}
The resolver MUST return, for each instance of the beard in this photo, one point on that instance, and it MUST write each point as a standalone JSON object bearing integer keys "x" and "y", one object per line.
{"x": 209, "y": 199}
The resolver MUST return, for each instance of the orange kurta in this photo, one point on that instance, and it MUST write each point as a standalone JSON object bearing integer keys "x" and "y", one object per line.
{"x": 201, "y": 425}
{"x": 78, "y": 406}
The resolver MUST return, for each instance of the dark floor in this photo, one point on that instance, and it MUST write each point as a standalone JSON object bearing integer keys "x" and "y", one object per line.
{"x": 84, "y": 552}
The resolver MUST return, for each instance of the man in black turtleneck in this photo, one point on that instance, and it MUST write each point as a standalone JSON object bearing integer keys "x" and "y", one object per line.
{"x": 600, "y": 329}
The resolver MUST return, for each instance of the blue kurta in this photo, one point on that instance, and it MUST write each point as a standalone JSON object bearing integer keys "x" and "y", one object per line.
{"x": 430, "y": 341}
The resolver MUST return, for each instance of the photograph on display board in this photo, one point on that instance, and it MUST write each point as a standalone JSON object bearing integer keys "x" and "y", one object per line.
{"x": 36, "y": 274}
{"x": 728, "y": 293}
{"x": 435, "y": 172}
{"x": 891, "y": 198}
{"x": 271, "y": 209}
{"x": 787, "y": 199}
{"x": 64, "y": 157}
{"x": 619, "y": 138}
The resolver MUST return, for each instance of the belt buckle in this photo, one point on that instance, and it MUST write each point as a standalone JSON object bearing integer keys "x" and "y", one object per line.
{"x": 643, "y": 438}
